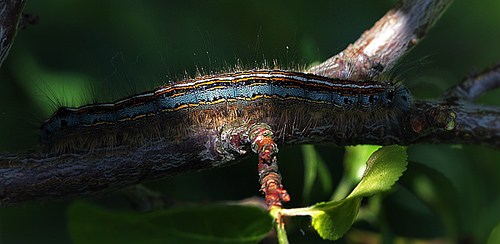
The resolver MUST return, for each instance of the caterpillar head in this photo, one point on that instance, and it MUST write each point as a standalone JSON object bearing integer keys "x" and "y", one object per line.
{"x": 401, "y": 98}
{"x": 53, "y": 127}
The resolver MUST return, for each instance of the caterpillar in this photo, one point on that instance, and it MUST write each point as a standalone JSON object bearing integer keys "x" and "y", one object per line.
{"x": 203, "y": 123}
{"x": 119, "y": 120}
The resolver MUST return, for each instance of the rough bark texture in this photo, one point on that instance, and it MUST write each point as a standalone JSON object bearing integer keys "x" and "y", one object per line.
{"x": 10, "y": 17}
{"x": 453, "y": 118}
{"x": 475, "y": 85}
{"x": 379, "y": 49}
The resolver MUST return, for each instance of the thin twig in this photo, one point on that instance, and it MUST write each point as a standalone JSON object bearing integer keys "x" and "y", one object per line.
{"x": 475, "y": 85}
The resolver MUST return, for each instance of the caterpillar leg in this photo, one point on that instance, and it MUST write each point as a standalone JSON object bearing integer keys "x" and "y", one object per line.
{"x": 262, "y": 143}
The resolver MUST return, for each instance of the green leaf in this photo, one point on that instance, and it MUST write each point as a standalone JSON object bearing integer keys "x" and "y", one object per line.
{"x": 314, "y": 167}
{"x": 436, "y": 191}
{"x": 324, "y": 176}
{"x": 355, "y": 159}
{"x": 495, "y": 235}
{"x": 310, "y": 169}
{"x": 211, "y": 224}
{"x": 333, "y": 219}
{"x": 383, "y": 169}
{"x": 355, "y": 164}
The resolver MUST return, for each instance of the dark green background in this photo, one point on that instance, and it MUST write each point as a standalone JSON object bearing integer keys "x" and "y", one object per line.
{"x": 107, "y": 49}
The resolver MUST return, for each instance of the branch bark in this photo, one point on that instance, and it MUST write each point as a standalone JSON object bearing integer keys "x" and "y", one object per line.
{"x": 475, "y": 85}
{"x": 10, "y": 17}
{"x": 379, "y": 49}
{"x": 453, "y": 118}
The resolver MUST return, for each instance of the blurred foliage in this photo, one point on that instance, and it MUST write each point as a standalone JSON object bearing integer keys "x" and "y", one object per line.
{"x": 208, "y": 224}
{"x": 85, "y": 51}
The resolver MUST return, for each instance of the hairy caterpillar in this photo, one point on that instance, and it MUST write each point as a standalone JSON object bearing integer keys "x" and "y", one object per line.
{"x": 142, "y": 115}
{"x": 203, "y": 123}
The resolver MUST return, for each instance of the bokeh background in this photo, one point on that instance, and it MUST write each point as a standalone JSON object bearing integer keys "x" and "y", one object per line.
{"x": 83, "y": 51}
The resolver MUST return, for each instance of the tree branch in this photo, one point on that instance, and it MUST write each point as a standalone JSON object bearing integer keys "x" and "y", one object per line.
{"x": 449, "y": 120}
{"x": 33, "y": 176}
{"x": 475, "y": 85}
{"x": 10, "y": 17}
{"x": 454, "y": 121}
{"x": 453, "y": 118}
{"x": 379, "y": 49}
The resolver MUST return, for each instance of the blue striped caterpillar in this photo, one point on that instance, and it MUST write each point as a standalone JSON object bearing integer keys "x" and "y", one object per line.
{"x": 202, "y": 123}
{"x": 349, "y": 98}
